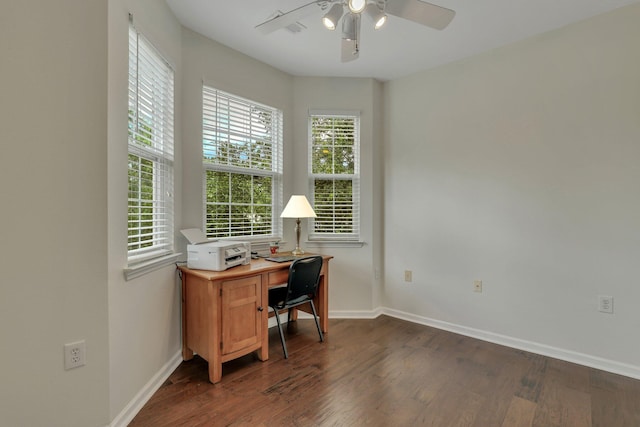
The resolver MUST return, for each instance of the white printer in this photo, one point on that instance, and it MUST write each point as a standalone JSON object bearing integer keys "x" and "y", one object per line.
{"x": 205, "y": 254}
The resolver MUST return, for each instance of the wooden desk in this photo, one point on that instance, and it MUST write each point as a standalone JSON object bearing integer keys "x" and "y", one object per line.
{"x": 225, "y": 313}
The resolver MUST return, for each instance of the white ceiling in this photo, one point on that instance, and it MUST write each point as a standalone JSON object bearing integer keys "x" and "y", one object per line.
{"x": 400, "y": 48}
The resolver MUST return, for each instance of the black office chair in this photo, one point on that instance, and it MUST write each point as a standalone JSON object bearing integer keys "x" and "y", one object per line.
{"x": 302, "y": 285}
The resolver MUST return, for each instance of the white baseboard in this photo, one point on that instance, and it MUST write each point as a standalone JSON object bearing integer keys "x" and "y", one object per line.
{"x": 532, "y": 347}
{"x": 356, "y": 314}
{"x": 131, "y": 410}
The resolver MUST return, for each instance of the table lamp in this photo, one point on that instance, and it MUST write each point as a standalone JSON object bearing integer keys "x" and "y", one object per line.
{"x": 298, "y": 207}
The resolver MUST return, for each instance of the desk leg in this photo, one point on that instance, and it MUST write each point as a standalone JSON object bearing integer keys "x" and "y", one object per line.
{"x": 322, "y": 301}
{"x": 187, "y": 353}
{"x": 263, "y": 351}
{"x": 214, "y": 322}
{"x": 215, "y": 372}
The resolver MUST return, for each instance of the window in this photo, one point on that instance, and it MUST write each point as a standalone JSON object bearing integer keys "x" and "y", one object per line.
{"x": 150, "y": 140}
{"x": 242, "y": 157}
{"x": 334, "y": 140}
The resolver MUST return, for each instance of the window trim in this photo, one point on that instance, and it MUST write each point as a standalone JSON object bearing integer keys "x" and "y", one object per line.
{"x": 143, "y": 268}
{"x": 334, "y": 239}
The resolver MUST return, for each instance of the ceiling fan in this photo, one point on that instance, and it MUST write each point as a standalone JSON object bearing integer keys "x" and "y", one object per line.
{"x": 351, "y": 11}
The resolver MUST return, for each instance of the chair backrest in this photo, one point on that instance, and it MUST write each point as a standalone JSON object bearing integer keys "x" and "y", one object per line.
{"x": 304, "y": 275}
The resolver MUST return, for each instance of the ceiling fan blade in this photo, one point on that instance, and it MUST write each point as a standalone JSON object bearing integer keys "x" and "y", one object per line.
{"x": 289, "y": 18}
{"x": 350, "y": 50}
{"x": 423, "y": 13}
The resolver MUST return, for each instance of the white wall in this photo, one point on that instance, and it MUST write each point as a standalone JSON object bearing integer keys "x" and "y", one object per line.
{"x": 53, "y": 221}
{"x": 144, "y": 313}
{"x": 519, "y": 167}
{"x": 351, "y": 271}
{"x": 222, "y": 68}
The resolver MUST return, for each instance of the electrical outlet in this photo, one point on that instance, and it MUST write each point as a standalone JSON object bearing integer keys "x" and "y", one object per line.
{"x": 605, "y": 304}
{"x": 74, "y": 355}
{"x": 408, "y": 276}
{"x": 477, "y": 286}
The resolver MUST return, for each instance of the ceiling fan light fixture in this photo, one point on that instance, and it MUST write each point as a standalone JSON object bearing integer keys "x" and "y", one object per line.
{"x": 331, "y": 18}
{"x": 378, "y": 16}
{"x": 357, "y": 6}
{"x": 418, "y": 11}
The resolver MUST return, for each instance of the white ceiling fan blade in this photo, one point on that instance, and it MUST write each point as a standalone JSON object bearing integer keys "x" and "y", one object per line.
{"x": 289, "y": 18}
{"x": 350, "y": 50}
{"x": 424, "y": 13}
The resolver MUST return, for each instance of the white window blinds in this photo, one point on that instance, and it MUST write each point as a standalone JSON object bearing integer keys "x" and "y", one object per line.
{"x": 242, "y": 158}
{"x": 334, "y": 144}
{"x": 150, "y": 160}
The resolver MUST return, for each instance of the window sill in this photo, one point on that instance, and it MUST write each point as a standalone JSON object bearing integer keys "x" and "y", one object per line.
{"x": 149, "y": 266}
{"x": 334, "y": 244}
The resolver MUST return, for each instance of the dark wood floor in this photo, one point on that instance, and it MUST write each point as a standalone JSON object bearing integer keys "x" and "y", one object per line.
{"x": 388, "y": 372}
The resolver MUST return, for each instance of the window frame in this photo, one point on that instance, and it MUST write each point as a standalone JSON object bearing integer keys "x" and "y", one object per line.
{"x": 354, "y": 236}
{"x": 150, "y": 139}
{"x": 214, "y": 96}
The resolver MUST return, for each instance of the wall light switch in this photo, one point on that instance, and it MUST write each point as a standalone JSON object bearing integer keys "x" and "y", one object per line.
{"x": 408, "y": 276}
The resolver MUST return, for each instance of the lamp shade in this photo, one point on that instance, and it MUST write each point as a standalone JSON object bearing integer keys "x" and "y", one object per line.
{"x": 298, "y": 207}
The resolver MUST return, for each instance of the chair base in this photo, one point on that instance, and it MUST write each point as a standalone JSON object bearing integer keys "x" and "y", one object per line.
{"x": 281, "y": 332}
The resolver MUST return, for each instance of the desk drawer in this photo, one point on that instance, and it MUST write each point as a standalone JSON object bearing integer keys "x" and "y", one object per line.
{"x": 278, "y": 277}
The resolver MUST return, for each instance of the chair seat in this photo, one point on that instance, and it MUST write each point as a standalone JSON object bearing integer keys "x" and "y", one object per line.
{"x": 277, "y": 296}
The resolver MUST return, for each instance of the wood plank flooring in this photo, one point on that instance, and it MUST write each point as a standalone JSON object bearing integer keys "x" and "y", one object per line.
{"x": 388, "y": 372}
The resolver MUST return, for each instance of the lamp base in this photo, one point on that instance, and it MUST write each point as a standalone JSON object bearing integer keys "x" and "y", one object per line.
{"x": 297, "y": 252}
